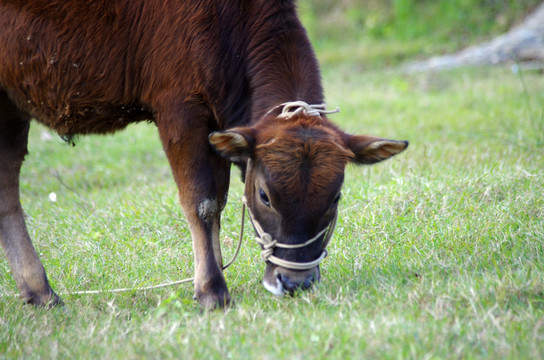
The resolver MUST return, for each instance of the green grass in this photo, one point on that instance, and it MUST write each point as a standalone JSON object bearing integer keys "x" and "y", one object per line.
{"x": 438, "y": 253}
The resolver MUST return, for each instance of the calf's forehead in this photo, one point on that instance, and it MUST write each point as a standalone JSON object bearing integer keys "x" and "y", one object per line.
{"x": 303, "y": 169}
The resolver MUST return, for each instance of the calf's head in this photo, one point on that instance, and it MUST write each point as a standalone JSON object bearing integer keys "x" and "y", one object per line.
{"x": 294, "y": 170}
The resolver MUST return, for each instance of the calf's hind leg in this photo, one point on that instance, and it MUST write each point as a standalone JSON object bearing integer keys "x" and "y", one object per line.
{"x": 25, "y": 265}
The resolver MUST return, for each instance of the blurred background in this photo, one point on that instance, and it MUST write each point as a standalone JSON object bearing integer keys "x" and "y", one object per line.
{"x": 373, "y": 34}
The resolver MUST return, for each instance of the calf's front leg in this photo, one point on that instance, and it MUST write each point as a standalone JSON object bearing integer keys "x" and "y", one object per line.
{"x": 202, "y": 178}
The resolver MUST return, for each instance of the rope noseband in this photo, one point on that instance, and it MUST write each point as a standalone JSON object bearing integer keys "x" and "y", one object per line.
{"x": 268, "y": 244}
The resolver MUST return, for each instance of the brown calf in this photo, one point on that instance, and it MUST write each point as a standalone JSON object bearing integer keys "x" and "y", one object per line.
{"x": 211, "y": 75}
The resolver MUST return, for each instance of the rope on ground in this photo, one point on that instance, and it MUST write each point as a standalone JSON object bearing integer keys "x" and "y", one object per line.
{"x": 163, "y": 285}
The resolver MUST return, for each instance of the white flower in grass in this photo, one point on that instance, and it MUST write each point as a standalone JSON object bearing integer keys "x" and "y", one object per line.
{"x": 52, "y": 197}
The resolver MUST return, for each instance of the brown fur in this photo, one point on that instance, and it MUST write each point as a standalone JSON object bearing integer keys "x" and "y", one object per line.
{"x": 192, "y": 68}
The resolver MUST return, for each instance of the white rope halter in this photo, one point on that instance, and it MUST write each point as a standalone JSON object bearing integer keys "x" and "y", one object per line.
{"x": 269, "y": 244}
{"x": 266, "y": 240}
{"x": 293, "y": 108}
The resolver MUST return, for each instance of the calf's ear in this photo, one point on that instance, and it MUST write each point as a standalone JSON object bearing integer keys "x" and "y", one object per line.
{"x": 370, "y": 150}
{"x": 236, "y": 144}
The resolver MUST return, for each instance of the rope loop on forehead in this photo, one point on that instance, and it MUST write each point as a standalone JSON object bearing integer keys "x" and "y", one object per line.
{"x": 268, "y": 244}
{"x": 292, "y": 108}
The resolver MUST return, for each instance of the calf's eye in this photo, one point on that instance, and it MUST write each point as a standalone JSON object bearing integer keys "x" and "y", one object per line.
{"x": 264, "y": 197}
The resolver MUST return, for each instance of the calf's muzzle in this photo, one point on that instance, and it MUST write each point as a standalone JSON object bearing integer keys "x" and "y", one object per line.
{"x": 280, "y": 281}
{"x": 285, "y": 276}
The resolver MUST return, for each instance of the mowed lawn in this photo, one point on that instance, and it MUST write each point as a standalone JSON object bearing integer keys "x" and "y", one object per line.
{"x": 438, "y": 252}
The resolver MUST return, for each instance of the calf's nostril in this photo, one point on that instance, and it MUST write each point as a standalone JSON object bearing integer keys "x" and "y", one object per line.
{"x": 308, "y": 282}
{"x": 289, "y": 286}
